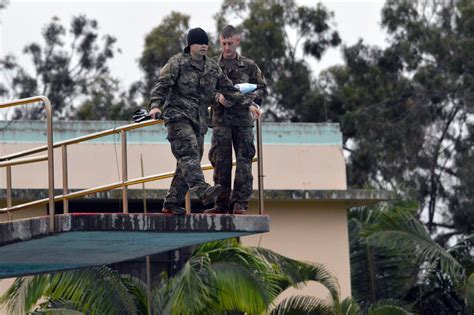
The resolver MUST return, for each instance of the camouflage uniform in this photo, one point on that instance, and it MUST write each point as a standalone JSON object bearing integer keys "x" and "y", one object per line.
{"x": 233, "y": 127}
{"x": 183, "y": 92}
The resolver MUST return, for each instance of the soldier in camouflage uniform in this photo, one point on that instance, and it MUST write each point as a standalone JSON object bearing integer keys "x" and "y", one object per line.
{"x": 233, "y": 126}
{"x": 186, "y": 86}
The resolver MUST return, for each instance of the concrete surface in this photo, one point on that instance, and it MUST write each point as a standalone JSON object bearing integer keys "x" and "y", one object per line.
{"x": 83, "y": 240}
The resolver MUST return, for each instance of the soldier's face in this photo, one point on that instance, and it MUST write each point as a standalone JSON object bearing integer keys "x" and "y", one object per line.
{"x": 229, "y": 46}
{"x": 198, "y": 49}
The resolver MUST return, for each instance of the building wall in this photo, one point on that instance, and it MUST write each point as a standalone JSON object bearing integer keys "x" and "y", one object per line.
{"x": 303, "y": 167}
{"x": 36, "y": 211}
{"x": 296, "y": 157}
{"x": 320, "y": 237}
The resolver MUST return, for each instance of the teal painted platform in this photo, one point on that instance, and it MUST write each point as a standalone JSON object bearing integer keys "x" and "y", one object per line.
{"x": 84, "y": 240}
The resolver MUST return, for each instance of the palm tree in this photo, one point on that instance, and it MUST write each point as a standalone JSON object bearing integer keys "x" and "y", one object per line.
{"x": 220, "y": 276}
{"x": 395, "y": 264}
{"x": 394, "y": 257}
{"x": 308, "y": 305}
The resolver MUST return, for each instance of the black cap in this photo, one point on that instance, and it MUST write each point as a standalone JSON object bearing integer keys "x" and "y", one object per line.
{"x": 196, "y": 36}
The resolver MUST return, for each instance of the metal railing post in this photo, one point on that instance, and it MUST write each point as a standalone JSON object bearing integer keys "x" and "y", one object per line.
{"x": 49, "y": 118}
{"x": 12, "y": 159}
{"x": 9, "y": 191}
{"x": 187, "y": 202}
{"x": 145, "y": 208}
{"x": 148, "y": 284}
{"x": 49, "y": 148}
{"x": 260, "y": 167}
{"x": 65, "y": 179}
{"x": 124, "y": 170}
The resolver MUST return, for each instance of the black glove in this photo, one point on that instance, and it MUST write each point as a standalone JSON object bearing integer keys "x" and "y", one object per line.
{"x": 140, "y": 115}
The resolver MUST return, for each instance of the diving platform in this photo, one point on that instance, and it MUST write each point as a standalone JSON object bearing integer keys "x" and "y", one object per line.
{"x": 89, "y": 239}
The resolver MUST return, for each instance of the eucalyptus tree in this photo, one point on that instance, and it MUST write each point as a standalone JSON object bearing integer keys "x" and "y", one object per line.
{"x": 161, "y": 43}
{"x": 278, "y": 35}
{"x": 406, "y": 111}
{"x": 65, "y": 68}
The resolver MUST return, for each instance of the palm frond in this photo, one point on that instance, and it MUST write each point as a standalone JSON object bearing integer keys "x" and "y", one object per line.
{"x": 462, "y": 251}
{"x": 388, "y": 310}
{"x": 97, "y": 290}
{"x": 189, "y": 291}
{"x": 138, "y": 291}
{"x": 393, "y": 302}
{"x": 239, "y": 289}
{"x": 231, "y": 250}
{"x": 161, "y": 293}
{"x": 400, "y": 230}
{"x": 214, "y": 246}
{"x": 303, "y": 305}
{"x": 295, "y": 273}
{"x": 24, "y": 293}
{"x": 57, "y": 311}
{"x": 469, "y": 295}
{"x": 350, "y": 307}
{"x": 436, "y": 292}
{"x": 377, "y": 272}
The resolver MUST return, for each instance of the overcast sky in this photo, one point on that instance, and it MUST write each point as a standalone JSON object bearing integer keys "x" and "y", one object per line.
{"x": 129, "y": 21}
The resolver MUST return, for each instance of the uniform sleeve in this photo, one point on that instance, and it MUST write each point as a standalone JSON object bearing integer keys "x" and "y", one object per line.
{"x": 226, "y": 87}
{"x": 168, "y": 75}
{"x": 259, "y": 79}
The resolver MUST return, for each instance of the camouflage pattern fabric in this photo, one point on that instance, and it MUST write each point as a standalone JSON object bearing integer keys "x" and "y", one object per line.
{"x": 233, "y": 127}
{"x": 220, "y": 156}
{"x": 186, "y": 87}
{"x": 187, "y": 147}
{"x": 244, "y": 71}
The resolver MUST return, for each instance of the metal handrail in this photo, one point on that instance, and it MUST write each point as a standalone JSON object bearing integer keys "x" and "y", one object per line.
{"x": 123, "y": 184}
{"x": 6, "y": 161}
{"x": 24, "y": 161}
{"x": 107, "y": 187}
{"x": 48, "y": 147}
{"x": 260, "y": 167}
{"x": 80, "y": 139}
{"x": 63, "y": 145}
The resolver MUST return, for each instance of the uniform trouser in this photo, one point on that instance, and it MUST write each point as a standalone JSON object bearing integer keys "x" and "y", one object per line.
{"x": 187, "y": 147}
{"x": 220, "y": 155}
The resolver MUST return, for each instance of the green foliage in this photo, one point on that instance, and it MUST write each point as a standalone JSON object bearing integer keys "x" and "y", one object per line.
{"x": 350, "y": 307}
{"x": 404, "y": 110}
{"x": 76, "y": 290}
{"x": 23, "y": 294}
{"x": 219, "y": 277}
{"x": 298, "y": 273}
{"x": 240, "y": 278}
{"x": 377, "y": 272}
{"x": 65, "y": 75}
{"x": 56, "y": 311}
{"x": 388, "y": 310}
{"x": 394, "y": 257}
{"x": 164, "y": 41}
{"x": 303, "y": 305}
{"x": 106, "y": 102}
{"x": 470, "y": 292}
{"x": 265, "y": 27}
{"x": 398, "y": 228}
